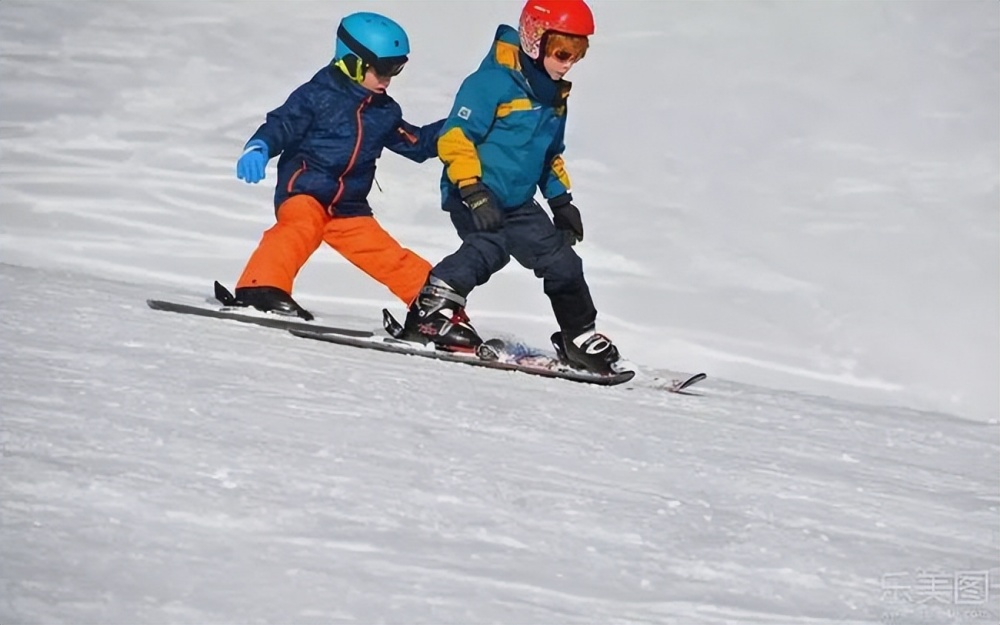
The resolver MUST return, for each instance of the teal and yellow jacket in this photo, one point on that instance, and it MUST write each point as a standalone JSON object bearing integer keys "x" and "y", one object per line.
{"x": 506, "y": 128}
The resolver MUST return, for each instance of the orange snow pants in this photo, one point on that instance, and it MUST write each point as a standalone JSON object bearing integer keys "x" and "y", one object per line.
{"x": 303, "y": 224}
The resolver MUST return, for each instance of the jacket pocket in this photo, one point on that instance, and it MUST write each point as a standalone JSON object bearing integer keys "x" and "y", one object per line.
{"x": 294, "y": 177}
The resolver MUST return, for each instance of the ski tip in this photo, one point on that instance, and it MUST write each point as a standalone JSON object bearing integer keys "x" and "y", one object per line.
{"x": 223, "y": 295}
{"x": 679, "y": 386}
{"x": 392, "y": 327}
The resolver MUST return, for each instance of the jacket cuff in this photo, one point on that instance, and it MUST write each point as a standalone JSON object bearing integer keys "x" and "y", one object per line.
{"x": 257, "y": 144}
{"x": 472, "y": 188}
{"x": 561, "y": 200}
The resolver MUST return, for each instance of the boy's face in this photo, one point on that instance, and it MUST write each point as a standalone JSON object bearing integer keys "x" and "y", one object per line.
{"x": 556, "y": 67}
{"x": 374, "y": 82}
{"x": 562, "y": 52}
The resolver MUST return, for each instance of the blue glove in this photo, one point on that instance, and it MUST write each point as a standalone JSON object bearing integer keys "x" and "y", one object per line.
{"x": 251, "y": 165}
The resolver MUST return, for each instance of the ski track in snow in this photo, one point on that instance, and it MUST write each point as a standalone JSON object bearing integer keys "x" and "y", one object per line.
{"x": 158, "y": 466}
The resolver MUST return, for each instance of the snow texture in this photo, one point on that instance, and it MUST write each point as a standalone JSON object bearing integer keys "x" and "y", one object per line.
{"x": 801, "y": 199}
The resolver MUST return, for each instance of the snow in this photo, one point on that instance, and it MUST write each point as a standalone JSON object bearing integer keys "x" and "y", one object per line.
{"x": 800, "y": 199}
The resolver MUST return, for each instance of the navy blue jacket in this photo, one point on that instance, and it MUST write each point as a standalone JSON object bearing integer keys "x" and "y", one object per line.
{"x": 329, "y": 133}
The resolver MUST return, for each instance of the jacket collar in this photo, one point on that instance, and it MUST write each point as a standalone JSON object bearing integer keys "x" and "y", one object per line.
{"x": 506, "y": 53}
{"x": 336, "y": 79}
{"x": 546, "y": 90}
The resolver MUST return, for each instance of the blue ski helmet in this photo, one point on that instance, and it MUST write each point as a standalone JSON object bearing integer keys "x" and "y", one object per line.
{"x": 370, "y": 40}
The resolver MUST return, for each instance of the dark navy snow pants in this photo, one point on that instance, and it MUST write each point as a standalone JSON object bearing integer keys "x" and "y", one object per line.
{"x": 530, "y": 237}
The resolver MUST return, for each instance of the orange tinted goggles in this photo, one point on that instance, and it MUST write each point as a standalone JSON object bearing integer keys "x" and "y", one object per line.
{"x": 566, "y": 48}
{"x": 566, "y": 56}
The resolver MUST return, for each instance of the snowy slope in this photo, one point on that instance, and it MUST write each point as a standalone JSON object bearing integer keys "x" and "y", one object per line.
{"x": 160, "y": 468}
{"x": 800, "y": 199}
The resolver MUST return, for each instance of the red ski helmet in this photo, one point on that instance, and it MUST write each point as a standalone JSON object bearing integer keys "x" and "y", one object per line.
{"x": 572, "y": 17}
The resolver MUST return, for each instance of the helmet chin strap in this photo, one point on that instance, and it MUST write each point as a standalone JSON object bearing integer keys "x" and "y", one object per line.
{"x": 352, "y": 66}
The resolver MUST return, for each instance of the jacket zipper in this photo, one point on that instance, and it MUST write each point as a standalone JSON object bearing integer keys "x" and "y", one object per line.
{"x": 354, "y": 156}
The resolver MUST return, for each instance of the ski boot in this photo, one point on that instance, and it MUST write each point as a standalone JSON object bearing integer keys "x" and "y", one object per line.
{"x": 438, "y": 316}
{"x": 587, "y": 350}
{"x": 270, "y": 299}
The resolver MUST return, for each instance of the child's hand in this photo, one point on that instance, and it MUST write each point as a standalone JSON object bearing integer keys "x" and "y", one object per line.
{"x": 566, "y": 217}
{"x": 486, "y": 214}
{"x": 252, "y": 164}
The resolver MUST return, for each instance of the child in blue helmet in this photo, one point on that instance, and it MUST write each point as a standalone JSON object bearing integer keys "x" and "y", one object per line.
{"x": 502, "y": 142}
{"x": 328, "y": 133}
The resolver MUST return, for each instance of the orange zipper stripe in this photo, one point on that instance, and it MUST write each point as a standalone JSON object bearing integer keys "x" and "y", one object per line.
{"x": 354, "y": 155}
{"x": 291, "y": 181}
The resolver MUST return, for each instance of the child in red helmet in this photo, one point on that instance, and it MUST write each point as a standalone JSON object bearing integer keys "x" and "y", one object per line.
{"x": 503, "y": 141}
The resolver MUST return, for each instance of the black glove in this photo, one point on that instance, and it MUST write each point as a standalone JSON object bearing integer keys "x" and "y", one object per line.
{"x": 486, "y": 214}
{"x": 566, "y": 217}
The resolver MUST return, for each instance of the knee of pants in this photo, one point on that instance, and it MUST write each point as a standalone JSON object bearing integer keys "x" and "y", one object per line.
{"x": 473, "y": 264}
{"x": 486, "y": 256}
{"x": 564, "y": 271}
{"x": 302, "y": 211}
{"x": 492, "y": 253}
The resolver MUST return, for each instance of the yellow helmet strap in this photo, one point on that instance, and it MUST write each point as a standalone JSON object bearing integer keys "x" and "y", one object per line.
{"x": 353, "y": 67}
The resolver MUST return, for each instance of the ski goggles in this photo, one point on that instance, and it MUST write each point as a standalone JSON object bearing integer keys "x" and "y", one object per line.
{"x": 388, "y": 67}
{"x": 565, "y": 55}
{"x": 383, "y": 68}
{"x": 566, "y": 48}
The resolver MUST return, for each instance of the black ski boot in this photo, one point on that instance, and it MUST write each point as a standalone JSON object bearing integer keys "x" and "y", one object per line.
{"x": 438, "y": 316}
{"x": 270, "y": 299}
{"x": 587, "y": 350}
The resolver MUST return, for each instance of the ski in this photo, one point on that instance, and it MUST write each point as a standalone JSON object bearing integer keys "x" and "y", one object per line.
{"x": 242, "y": 314}
{"x": 532, "y": 363}
{"x": 679, "y": 385}
{"x": 496, "y": 349}
{"x": 492, "y": 354}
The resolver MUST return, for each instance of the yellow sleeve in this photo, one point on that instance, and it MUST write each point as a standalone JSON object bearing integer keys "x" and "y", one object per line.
{"x": 459, "y": 156}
